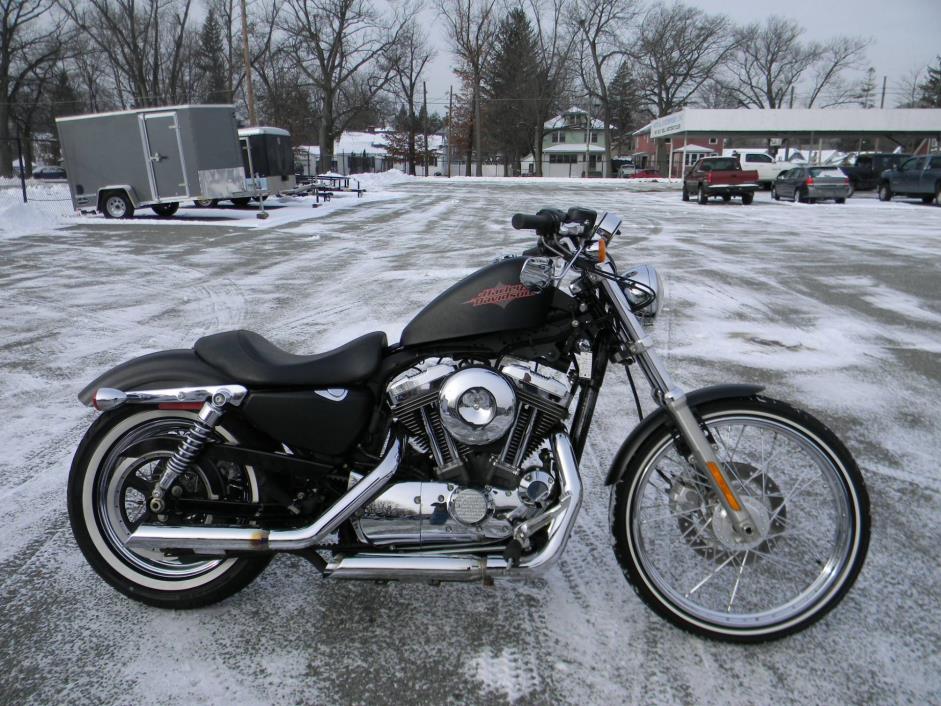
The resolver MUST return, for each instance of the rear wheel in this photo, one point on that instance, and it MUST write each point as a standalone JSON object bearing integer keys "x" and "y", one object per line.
{"x": 685, "y": 193}
{"x": 840, "y": 200}
{"x": 885, "y": 192}
{"x": 937, "y": 193}
{"x": 807, "y": 501}
{"x": 747, "y": 198}
{"x": 927, "y": 198}
{"x": 702, "y": 197}
{"x": 107, "y": 497}
{"x": 797, "y": 196}
{"x": 165, "y": 209}
{"x": 774, "y": 193}
{"x": 205, "y": 203}
{"x": 241, "y": 203}
{"x": 116, "y": 204}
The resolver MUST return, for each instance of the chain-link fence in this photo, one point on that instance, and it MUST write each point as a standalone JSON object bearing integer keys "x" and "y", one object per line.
{"x": 31, "y": 172}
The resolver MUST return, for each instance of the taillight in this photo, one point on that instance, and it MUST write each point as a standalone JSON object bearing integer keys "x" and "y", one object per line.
{"x": 708, "y": 177}
{"x": 846, "y": 180}
{"x": 810, "y": 181}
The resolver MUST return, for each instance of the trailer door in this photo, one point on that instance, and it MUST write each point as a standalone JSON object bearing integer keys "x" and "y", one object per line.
{"x": 165, "y": 155}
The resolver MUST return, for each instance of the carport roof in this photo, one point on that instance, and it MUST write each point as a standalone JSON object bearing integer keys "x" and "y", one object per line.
{"x": 798, "y": 121}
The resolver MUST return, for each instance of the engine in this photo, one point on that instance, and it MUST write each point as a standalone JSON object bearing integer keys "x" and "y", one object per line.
{"x": 477, "y": 426}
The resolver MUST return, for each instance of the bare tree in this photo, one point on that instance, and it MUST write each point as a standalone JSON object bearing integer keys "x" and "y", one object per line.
{"x": 679, "y": 48}
{"x": 29, "y": 43}
{"x": 409, "y": 59}
{"x": 908, "y": 88}
{"x": 342, "y": 48}
{"x": 147, "y": 44}
{"x": 603, "y": 26}
{"x": 472, "y": 25}
{"x": 553, "y": 65}
{"x": 771, "y": 61}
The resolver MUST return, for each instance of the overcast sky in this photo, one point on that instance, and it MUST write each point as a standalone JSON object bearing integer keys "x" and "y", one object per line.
{"x": 906, "y": 34}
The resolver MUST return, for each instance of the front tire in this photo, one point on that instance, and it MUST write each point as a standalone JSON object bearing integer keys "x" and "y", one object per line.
{"x": 747, "y": 198}
{"x": 107, "y": 496}
{"x": 702, "y": 197}
{"x": 116, "y": 204}
{"x": 885, "y": 192}
{"x": 809, "y": 503}
{"x": 685, "y": 193}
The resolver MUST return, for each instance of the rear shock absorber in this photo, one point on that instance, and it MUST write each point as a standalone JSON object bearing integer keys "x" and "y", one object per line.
{"x": 190, "y": 447}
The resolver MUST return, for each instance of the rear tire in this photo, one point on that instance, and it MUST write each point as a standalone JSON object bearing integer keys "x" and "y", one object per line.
{"x": 205, "y": 203}
{"x": 107, "y": 495}
{"x": 774, "y": 193}
{"x": 840, "y": 200}
{"x": 165, "y": 210}
{"x": 797, "y": 196}
{"x": 702, "y": 198}
{"x": 885, "y": 192}
{"x": 747, "y": 199}
{"x": 811, "y": 511}
{"x": 242, "y": 202}
{"x": 685, "y": 193}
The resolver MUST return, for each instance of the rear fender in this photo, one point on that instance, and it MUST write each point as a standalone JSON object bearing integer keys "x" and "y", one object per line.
{"x": 653, "y": 421}
{"x": 166, "y": 369}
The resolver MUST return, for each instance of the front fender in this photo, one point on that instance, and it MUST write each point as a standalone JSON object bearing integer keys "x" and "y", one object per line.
{"x": 652, "y": 421}
{"x": 176, "y": 368}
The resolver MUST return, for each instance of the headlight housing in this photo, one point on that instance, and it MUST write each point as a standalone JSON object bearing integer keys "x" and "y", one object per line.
{"x": 644, "y": 290}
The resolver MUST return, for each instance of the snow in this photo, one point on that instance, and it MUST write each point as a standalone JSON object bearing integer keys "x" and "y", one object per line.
{"x": 835, "y": 308}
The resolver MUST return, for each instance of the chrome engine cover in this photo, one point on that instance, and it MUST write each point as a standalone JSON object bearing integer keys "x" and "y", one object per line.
{"x": 414, "y": 512}
{"x": 477, "y": 405}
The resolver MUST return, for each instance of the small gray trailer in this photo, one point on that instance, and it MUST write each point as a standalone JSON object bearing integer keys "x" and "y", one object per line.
{"x": 157, "y": 157}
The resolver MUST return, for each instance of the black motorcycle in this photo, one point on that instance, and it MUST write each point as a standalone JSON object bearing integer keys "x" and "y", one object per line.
{"x": 453, "y": 456}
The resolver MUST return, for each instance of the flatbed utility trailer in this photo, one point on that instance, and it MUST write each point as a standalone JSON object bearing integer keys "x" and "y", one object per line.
{"x": 158, "y": 157}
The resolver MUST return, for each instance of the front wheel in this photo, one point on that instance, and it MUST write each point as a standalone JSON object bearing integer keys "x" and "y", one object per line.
{"x": 107, "y": 498}
{"x": 885, "y": 192}
{"x": 702, "y": 197}
{"x": 807, "y": 500}
{"x": 747, "y": 198}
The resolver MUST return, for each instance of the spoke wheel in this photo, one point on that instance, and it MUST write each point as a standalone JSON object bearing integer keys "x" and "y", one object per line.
{"x": 807, "y": 502}
{"x": 108, "y": 499}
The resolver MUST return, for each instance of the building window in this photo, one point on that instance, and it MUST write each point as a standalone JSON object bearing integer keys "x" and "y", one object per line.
{"x": 594, "y": 137}
{"x": 713, "y": 140}
{"x": 563, "y": 158}
{"x": 558, "y": 136}
{"x": 668, "y": 140}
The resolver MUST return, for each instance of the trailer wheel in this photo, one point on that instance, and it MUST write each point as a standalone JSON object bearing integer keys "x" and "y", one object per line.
{"x": 241, "y": 203}
{"x": 116, "y": 204}
{"x": 205, "y": 203}
{"x": 165, "y": 209}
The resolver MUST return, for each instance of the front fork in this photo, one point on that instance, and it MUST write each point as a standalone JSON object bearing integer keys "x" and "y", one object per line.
{"x": 668, "y": 394}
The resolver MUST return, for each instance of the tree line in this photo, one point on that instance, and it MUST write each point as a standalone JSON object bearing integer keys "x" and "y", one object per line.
{"x": 320, "y": 67}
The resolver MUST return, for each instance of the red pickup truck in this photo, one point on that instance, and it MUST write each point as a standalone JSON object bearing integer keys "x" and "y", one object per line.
{"x": 720, "y": 176}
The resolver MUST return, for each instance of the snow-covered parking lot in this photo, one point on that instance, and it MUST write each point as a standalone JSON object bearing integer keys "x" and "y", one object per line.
{"x": 835, "y": 307}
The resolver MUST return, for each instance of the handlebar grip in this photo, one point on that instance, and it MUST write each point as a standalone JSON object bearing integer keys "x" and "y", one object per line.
{"x": 540, "y": 221}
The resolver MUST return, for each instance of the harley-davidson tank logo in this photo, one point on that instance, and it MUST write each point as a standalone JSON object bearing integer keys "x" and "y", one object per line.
{"x": 501, "y": 295}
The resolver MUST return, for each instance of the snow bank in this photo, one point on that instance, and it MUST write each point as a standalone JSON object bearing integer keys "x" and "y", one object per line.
{"x": 377, "y": 180}
{"x": 27, "y": 218}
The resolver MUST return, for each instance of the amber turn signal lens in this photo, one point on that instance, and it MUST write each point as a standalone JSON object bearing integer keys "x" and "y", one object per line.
{"x": 602, "y": 251}
{"x": 723, "y": 486}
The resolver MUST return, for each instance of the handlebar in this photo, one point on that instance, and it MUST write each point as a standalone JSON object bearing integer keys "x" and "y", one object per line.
{"x": 539, "y": 221}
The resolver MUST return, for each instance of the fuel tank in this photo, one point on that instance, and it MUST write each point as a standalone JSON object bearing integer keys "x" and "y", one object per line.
{"x": 490, "y": 300}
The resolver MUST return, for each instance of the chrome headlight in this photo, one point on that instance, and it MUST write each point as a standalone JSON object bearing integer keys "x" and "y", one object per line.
{"x": 645, "y": 283}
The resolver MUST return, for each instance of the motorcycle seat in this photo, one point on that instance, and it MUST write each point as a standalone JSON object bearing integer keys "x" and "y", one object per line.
{"x": 251, "y": 359}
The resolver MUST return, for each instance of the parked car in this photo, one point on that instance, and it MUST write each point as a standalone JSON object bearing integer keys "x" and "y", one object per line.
{"x": 812, "y": 184}
{"x": 916, "y": 176}
{"x": 47, "y": 172}
{"x": 865, "y": 169}
{"x": 645, "y": 174}
{"x": 720, "y": 176}
{"x": 627, "y": 170}
{"x": 768, "y": 170}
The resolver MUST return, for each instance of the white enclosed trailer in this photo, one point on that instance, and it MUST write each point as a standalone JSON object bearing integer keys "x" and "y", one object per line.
{"x": 157, "y": 157}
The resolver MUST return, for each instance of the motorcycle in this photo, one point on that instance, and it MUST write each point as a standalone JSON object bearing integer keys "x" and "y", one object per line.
{"x": 454, "y": 454}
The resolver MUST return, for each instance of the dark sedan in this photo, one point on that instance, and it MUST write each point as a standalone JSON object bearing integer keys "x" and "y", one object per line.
{"x": 811, "y": 184}
{"x": 49, "y": 173}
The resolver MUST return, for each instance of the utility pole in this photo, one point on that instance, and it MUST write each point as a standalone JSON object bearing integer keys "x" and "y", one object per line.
{"x": 480, "y": 157}
{"x": 882, "y": 100}
{"x": 450, "y": 120}
{"x": 248, "y": 66}
{"x": 588, "y": 134}
{"x": 424, "y": 126}
{"x": 791, "y": 104}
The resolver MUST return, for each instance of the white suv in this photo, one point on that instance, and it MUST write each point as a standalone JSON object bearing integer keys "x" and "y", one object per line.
{"x": 765, "y": 165}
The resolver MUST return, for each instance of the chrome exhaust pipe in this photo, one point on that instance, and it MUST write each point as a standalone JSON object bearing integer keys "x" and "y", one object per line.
{"x": 214, "y": 540}
{"x": 443, "y": 567}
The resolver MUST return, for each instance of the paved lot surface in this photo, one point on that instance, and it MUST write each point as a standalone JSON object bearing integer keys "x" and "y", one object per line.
{"x": 837, "y": 307}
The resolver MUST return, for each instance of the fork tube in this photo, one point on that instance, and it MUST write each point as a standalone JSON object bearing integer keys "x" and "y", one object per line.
{"x": 587, "y": 398}
{"x": 668, "y": 394}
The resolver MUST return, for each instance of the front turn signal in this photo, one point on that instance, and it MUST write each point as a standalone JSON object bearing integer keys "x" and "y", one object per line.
{"x": 602, "y": 251}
